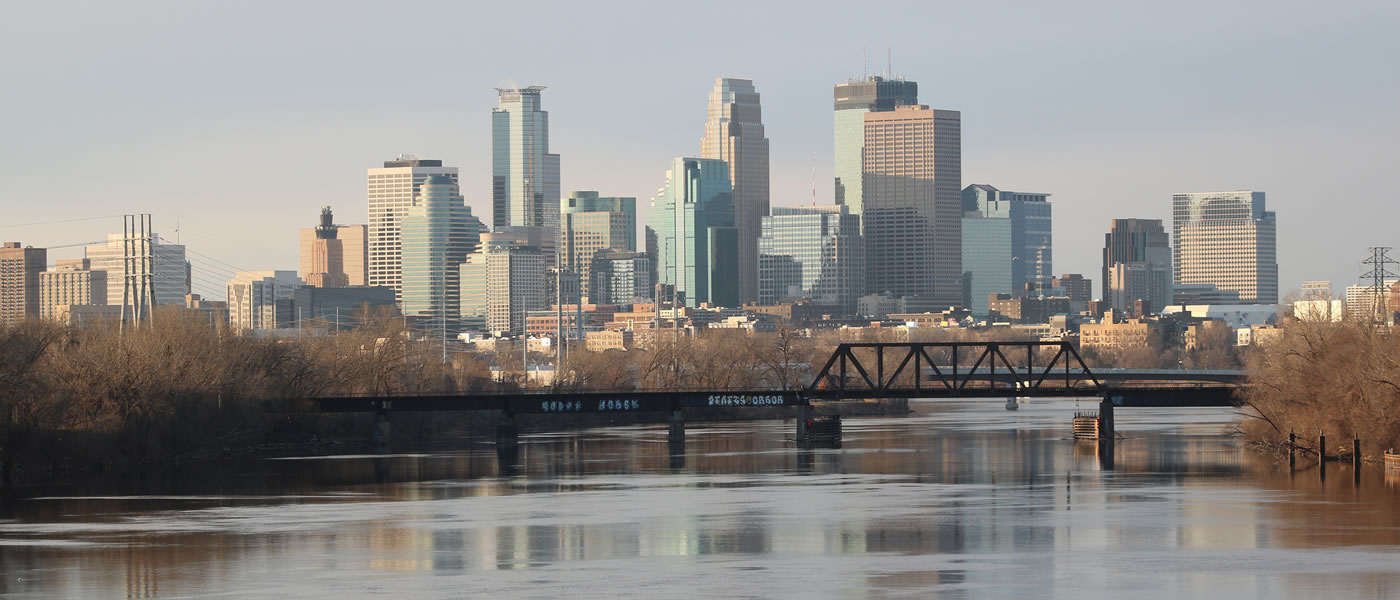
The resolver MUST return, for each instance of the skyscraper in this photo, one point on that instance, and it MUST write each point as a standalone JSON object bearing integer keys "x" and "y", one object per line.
{"x": 734, "y": 134}
{"x": 1137, "y": 264}
{"x": 437, "y": 235}
{"x": 853, "y": 100}
{"x": 333, "y": 250}
{"x": 912, "y": 196}
{"x": 19, "y": 282}
{"x": 505, "y": 280}
{"x": 1029, "y": 217}
{"x": 393, "y": 190}
{"x": 812, "y": 252}
{"x": 524, "y": 175}
{"x": 1228, "y": 240}
{"x": 593, "y": 224}
{"x": 988, "y": 263}
{"x": 691, "y": 234}
{"x": 262, "y": 300}
{"x": 170, "y": 272}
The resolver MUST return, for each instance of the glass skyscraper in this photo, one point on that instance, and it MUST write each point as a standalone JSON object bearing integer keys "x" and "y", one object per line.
{"x": 853, "y": 100}
{"x": 812, "y": 252}
{"x": 691, "y": 234}
{"x": 1029, "y": 218}
{"x": 436, "y": 235}
{"x": 524, "y": 175}
{"x": 734, "y": 134}
{"x": 393, "y": 190}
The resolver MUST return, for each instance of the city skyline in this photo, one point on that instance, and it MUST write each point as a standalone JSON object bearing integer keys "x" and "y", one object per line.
{"x": 1109, "y": 134}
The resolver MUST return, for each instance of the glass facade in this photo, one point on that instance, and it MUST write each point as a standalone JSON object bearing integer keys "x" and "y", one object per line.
{"x": 691, "y": 234}
{"x": 524, "y": 175}
{"x": 812, "y": 252}
{"x": 437, "y": 235}
{"x": 621, "y": 278}
{"x": 1029, "y": 215}
{"x": 988, "y": 263}
{"x": 734, "y": 134}
{"x": 852, "y": 100}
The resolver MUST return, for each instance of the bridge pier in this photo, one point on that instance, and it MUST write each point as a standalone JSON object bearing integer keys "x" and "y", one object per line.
{"x": 379, "y": 436}
{"x": 1107, "y": 432}
{"x": 507, "y": 434}
{"x": 804, "y": 418}
{"x": 675, "y": 436}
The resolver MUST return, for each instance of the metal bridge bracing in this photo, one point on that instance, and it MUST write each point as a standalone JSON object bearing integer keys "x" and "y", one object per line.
{"x": 992, "y": 372}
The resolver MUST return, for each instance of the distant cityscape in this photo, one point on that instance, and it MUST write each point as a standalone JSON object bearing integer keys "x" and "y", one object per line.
{"x": 906, "y": 245}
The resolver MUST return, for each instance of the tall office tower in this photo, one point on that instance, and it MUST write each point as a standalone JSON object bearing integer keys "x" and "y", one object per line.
{"x": 812, "y": 252}
{"x": 592, "y": 224}
{"x": 437, "y": 235}
{"x": 734, "y": 134}
{"x": 853, "y": 100}
{"x": 912, "y": 196}
{"x": 621, "y": 278}
{"x": 515, "y": 271}
{"x": 691, "y": 234}
{"x": 1073, "y": 286}
{"x": 1226, "y": 239}
{"x": 344, "y": 246}
{"x": 171, "y": 274}
{"x": 1137, "y": 264}
{"x": 524, "y": 175}
{"x": 393, "y": 190}
{"x": 262, "y": 300}
{"x": 72, "y": 282}
{"x": 988, "y": 263}
{"x": 1030, "y": 217}
{"x": 19, "y": 282}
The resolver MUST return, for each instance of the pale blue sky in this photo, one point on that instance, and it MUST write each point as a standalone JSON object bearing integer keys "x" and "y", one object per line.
{"x": 241, "y": 119}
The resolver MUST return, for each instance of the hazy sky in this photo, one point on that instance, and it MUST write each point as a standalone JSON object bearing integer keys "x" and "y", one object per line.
{"x": 239, "y": 120}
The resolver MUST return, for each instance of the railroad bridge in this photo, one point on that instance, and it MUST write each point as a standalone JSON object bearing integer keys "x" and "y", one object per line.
{"x": 854, "y": 371}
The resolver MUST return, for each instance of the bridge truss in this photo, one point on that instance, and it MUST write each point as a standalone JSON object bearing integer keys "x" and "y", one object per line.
{"x": 937, "y": 369}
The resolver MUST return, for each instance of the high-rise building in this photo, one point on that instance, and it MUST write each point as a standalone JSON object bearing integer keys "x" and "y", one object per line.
{"x": 1137, "y": 265}
{"x": 912, "y": 196}
{"x": 853, "y": 100}
{"x": 169, "y": 270}
{"x": 516, "y": 272}
{"x": 988, "y": 263}
{"x": 72, "y": 282}
{"x": 734, "y": 134}
{"x": 333, "y": 255}
{"x": 524, "y": 175}
{"x": 691, "y": 234}
{"x": 437, "y": 234}
{"x": 393, "y": 190}
{"x": 19, "y": 281}
{"x": 592, "y": 224}
{"x": 1226, "y": 239}
{"x": 1029, "y": 215}
{"x": 1363, "y": 303}
{"x": 812, "y": 252}
{"x": 621, "y": 278}
{"x": 1317, "y": 290}
{"x": 1073, "y": 286}
{"x": 262, "y": 300}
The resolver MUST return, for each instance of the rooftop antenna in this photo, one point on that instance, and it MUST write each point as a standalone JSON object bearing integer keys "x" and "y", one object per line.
{"x": 814, "y": 179}
{"x": 889, "y": 62}
{"x": 865, "y": 63}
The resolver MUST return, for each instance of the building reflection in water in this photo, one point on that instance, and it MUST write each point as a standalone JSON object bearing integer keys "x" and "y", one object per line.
{"x": 957, "y": 480}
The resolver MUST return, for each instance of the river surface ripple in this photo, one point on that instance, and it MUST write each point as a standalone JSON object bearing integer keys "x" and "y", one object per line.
{"x": 961, "y": 499}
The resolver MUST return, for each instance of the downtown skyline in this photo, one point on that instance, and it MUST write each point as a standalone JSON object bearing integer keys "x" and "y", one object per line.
{"x": 1110, "y": 153}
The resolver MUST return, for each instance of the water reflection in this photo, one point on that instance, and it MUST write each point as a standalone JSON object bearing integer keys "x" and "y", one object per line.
{"x": 960, "y": 499}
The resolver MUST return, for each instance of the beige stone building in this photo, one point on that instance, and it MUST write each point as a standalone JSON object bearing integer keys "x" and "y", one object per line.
{"x": 333, "y": 255}
{"x": 734, "y": 134}
{"x": 19, "y": 281}
{"x": 1108, "y": 335}
{"x": 598, "y": 341}
{"x": 73, "y": 282}
{"x": 1226, "y": 240}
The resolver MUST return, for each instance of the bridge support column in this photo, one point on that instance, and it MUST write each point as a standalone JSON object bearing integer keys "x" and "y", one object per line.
{"x": 507, "y": 434}
{"x": 1107, "y": 432}
{"x": 804, "y": 418}
{"x": 379, "y": 436}
{"x": 675, "y": 436}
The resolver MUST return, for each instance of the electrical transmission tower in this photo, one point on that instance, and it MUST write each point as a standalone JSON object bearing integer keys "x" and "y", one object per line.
{"x": 1379, "y": 274}
{"x": 138, "y": 270}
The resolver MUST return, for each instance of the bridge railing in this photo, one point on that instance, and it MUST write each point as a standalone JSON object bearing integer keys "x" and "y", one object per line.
{"x": 856, "y": 369}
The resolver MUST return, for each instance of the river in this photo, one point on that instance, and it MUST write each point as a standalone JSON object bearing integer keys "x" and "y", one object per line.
{"x": 961, "y": 499}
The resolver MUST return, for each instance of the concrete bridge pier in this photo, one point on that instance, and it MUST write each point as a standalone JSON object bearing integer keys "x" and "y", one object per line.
{"x": 507, "y": 434}
{"x": 1107, "y": 432}
{"x": 804, "y": 417}
{"x": 379, "y": 436}
{"x": 675, "y": 436}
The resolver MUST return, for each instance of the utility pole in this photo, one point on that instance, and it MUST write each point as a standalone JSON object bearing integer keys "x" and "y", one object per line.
{"x": 1379, "y": 273}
